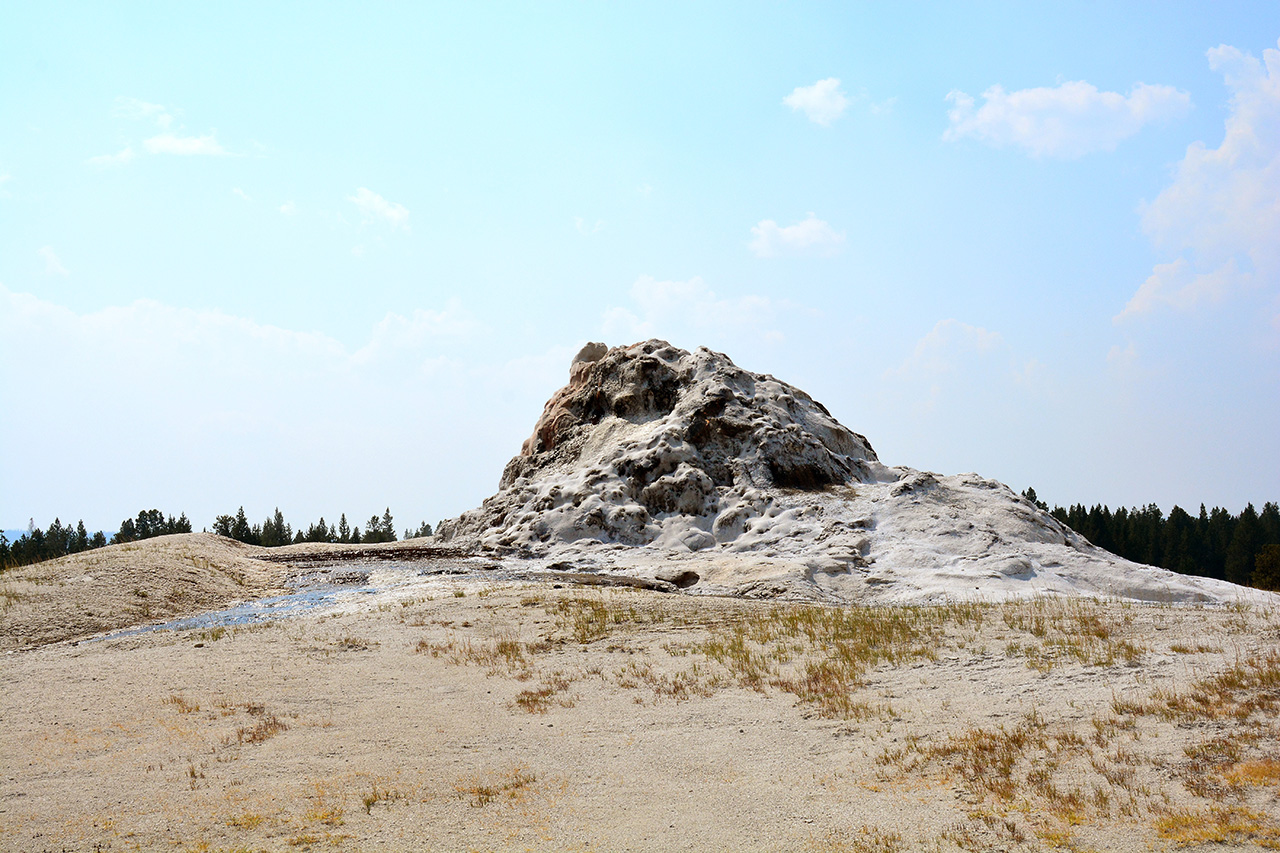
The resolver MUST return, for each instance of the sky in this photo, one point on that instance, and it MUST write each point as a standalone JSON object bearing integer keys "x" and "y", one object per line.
{"x": 333, "y": 258}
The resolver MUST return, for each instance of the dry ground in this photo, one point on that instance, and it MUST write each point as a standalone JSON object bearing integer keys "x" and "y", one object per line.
{"x": 530, "y": 717}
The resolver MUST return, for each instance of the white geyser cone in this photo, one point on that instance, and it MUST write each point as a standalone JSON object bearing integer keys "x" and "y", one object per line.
{"x": 658, "y": 462}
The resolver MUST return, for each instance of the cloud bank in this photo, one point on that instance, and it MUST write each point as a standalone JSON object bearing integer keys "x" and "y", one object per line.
{"x": 1220, "y": 217}
{"x": 1066, "y": 121}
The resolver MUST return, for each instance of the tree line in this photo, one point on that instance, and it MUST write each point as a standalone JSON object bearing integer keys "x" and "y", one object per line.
{"x": 59, "y": 540}
{"x": 1243, "y": 548}
{"x": 275, "y": 531}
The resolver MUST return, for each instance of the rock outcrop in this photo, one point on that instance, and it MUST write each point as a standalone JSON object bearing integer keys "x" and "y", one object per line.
{"x": 684, "y": 468}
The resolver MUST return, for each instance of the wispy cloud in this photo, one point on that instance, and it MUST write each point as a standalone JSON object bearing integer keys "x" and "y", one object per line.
{"x": 288, "y": 208}
{"x": 239, "y": 193}
{"x": 1220, "y": 215}
{"x": 823, "y": 102}
{"x": 169, "y": 140}
{"x": 810, "y": 236}
{"x": 52, "y": 266}
{"x": 953, "y": 351}
{"x": 1065, "y": 121}
{"x": 374, "y": 206}
{"x": 669, "y": 308}
{"x": 585, "y": 228}
{"x": 134, "y": 108}
{"x": 120, "y": 158}
{"x": 171, "y": 143}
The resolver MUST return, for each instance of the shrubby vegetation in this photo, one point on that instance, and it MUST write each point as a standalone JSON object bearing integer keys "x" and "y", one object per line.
{"x": 1243, "y": 549}
{"x": 59, "y": 540}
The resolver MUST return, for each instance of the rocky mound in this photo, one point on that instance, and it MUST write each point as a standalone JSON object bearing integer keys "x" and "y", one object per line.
{"x": 655, "y": 461}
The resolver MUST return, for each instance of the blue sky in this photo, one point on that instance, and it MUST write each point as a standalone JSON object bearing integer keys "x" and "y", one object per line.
{"x": 334, "y": 258}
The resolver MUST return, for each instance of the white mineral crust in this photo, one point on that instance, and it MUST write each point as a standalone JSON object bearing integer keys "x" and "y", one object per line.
{"x": 659, "y": 463}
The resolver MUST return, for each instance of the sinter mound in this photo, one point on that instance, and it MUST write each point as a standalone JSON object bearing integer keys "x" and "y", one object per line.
{"x": 658, "y": 462}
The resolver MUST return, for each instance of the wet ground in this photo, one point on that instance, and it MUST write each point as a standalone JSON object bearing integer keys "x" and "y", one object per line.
{"x": 328, "y": 581}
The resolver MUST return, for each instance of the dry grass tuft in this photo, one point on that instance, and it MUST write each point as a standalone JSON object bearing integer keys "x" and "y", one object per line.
{"x": 482, "y": 790}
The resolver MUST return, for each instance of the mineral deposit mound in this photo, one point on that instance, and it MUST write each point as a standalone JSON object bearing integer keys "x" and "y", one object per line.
{"x": 684, "y": 468}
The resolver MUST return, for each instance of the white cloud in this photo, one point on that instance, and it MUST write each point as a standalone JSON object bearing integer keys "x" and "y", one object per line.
{"x": 396, "y": 333}
{"x": 1221, "y": 215}
{"x": 120, "y": 158}
{"x": 134, "y": 108}
{"x": 1065, "y": 121}
{"x": 956, "y": 361}
{"x": 374, "y": 206}
{"x": 666, "y": 308}
{"x": 810, "y": 236}
{"x": 823, "y": 102}
{"x": 1179, "y": 286}
{"x": 943, "y": 348}
{"x": 169, "y": 143}
{"x": 288, "y": 208}
{"x": 239, "y": 193}
{"x": 52, "y": 266}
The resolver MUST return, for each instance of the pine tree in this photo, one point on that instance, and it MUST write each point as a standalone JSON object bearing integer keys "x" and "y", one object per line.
{"x": 1244, "y": 544}
{"x": 388, "y": 526}
{"x": 1266, "y": 568}
{"x": 344, "y": 530}
{"x": 240, "y": 529}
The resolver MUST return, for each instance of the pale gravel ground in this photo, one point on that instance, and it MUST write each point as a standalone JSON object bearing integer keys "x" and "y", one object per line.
{"x": 99, "y": 754}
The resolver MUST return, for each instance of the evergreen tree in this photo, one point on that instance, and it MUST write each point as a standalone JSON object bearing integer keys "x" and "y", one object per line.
{"x": 1269, "y": 523}
{"x": 276, "y": 531}
{"x": 1029, "y": 494}
{"x": 241, "y": 531}
{"x": 355, "y": 536}
{"x": 1176, "y": 547}
{"x": 1245, "y": 542}
{"x": 1266, "y": 568}
{"x": 344, "y": 529}
{"x": 388, "y": 526}
{"x": 127, "y": 532}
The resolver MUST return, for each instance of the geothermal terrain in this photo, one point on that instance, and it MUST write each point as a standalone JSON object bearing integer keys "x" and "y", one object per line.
{"x": 698, "y": 614}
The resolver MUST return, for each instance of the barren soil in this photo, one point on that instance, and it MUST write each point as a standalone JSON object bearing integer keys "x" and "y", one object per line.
{"x": 460, "y": 715}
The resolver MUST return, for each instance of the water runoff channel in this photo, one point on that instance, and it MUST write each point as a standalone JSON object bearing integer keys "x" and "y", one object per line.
{"x": 324, "y": 581}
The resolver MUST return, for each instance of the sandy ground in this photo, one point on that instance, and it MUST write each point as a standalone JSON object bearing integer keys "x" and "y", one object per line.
{"x": 460, "y": 715}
